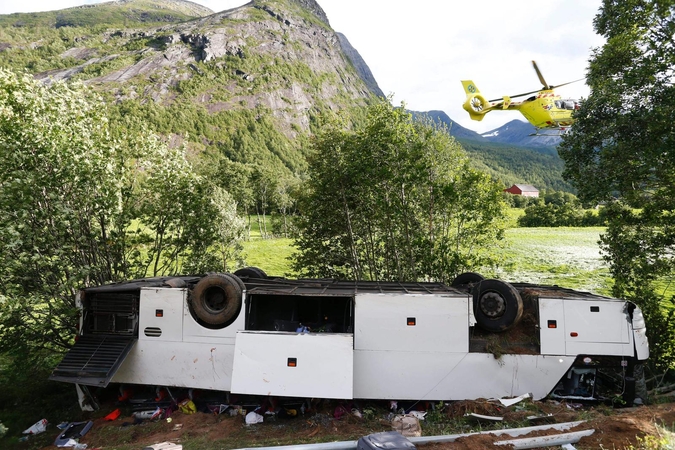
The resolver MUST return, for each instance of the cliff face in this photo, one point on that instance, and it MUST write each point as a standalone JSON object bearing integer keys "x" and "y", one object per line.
{"x": 360, "y": 65}
{"x": 279, "y": 58}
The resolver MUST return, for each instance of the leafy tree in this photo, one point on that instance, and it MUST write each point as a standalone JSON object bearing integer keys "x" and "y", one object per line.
{"x": 394, "y": 199}
{"x": 622, "y": 147}
{"x": 557, "y": 209}
{"x": 83, "y": 202}
{"x": 520, "y": 201}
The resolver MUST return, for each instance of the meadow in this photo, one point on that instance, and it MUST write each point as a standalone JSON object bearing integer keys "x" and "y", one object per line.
{"x": 565, "y": 256}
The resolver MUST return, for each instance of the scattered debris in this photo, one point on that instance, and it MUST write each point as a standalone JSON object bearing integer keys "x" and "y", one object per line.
{"x": 390, "y": 440}
{"x": 554, "y": 440}
{"x": 407, "y": 425}
{"x": 164, "y": 446}
{"x": 253, "y": 418}
{"x": 513, "y": 401}
{"x": 38, "y": 427}
{"x": 113, "y": 415}
{"x": 187, "y": 406}
{"x": 218, "y": 408}
{"x": 153, "y": 414}
{"x": 418, "y": 414}
{"x": 72, "y": 433}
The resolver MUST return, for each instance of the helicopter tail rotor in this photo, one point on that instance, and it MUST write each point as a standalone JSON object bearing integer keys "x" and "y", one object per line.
{"x": 475, "y": 104}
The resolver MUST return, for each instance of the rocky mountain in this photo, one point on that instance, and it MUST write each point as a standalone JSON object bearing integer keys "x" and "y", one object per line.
{"x": 247, "y": 83}
{"x": 519, "y": 132}
{"x": 454, "y": 128}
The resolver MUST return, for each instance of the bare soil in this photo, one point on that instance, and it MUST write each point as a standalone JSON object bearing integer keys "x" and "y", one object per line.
{"x": 615, "y": 428}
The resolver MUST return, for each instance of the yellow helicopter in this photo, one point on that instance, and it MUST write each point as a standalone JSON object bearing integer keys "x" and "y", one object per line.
{"x": 545, "y": 110}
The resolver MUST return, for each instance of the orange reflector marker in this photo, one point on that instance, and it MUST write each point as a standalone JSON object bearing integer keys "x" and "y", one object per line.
{"x": 159, "y": 313}
{"x": 411, "y": 321}
{"x": 552, "y": 324}
{"x": 574, "y": 334}
{"x": 292, "y": 362}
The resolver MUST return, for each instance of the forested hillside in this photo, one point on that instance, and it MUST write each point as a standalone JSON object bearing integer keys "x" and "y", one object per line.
{"x": 511, "y": 164}
{"x": 526, "y": 160}
{"x": 246, "y": 85}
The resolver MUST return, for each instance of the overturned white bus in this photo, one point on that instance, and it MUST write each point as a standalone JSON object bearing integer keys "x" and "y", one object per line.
{"x": 249, "y": 333}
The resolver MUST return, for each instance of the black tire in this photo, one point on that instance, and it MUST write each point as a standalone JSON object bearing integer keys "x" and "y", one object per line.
{"x": 236, "y": 279}
{"x": 216, "y": 299}
{"x": 497, "y": 305}
{"x": 467, "y": 278}
{"x": 251, "y": 272}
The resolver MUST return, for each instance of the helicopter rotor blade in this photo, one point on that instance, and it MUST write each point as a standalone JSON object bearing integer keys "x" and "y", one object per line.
{"x": 539, "y": 90}
{"x": 541, "y": 77}
{"x": 565, "y": 84}
{"x": 518, "y": 95}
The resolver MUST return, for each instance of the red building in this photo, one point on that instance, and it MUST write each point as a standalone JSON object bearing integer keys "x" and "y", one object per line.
{"x": 526, "y": 190}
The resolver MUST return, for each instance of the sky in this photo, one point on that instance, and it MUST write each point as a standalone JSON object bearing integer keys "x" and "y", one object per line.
{"x": 420, "y": 50}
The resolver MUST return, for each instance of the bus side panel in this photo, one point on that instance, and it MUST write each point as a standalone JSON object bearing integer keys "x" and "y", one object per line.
{"x": 412, "y": 323}
{"x": 552, "y": 326}
{"x": 293, "y": 365}
{"x": 454, "y": 376}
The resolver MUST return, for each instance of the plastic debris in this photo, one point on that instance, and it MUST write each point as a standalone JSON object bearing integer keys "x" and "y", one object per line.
{"x": 218, "y": 408}
{"x": 513, "y": 401}
{"x": 74, "y": 431}
{"x": 164, "y": 446}
{"x": 253, "y": 418}
{"x": 418, "y": 414}
{"x": 38, "y": 427}
{"x": 113, "y": 415}
{"x": 154, "y": 414}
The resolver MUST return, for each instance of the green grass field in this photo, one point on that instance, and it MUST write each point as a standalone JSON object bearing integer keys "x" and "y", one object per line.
{"x": 568, "y": 257}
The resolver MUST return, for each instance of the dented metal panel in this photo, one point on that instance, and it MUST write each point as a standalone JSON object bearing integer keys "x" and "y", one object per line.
{"x": 180, "y": 364}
